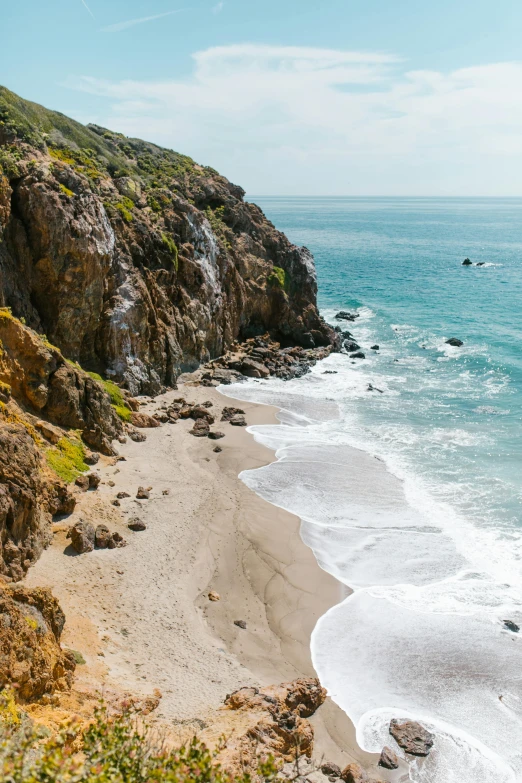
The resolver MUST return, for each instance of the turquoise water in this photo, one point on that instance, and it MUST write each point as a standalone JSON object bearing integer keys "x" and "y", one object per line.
{"x": 412, "y": 497}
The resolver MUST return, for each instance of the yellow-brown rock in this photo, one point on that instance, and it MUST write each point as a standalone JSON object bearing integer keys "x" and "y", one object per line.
{"x": 31, "y": 659}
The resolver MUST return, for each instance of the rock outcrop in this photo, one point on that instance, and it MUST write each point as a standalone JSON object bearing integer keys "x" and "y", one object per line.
{"x": 275, "y": 724}
{"x": 31, "y": 659}
{"x": 135, "y": 261}
{"x": 49, "y": 409}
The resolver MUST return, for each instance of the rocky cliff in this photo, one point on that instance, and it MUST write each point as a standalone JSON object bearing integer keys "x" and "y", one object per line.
{"x": 135, "y": 261}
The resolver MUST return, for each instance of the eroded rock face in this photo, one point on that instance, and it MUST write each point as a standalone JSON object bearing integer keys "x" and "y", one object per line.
{"x": 275, "y": 723}
{"x": 31, "y": 659}
{"x": 146, "y": 266}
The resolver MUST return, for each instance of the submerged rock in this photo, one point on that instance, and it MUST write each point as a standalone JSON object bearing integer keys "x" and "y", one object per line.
{"x": 467, "y": 262}
{"x": 511, "y": 626}
{"x": 412, "y": 737}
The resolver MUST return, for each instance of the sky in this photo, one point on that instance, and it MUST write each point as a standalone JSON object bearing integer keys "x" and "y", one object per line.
{"x": 290, "y": 97}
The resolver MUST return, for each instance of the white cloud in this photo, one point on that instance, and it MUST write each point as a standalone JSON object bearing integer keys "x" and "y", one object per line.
{"x": 115, "y": 28}
{"x": 218, "y": 8}
{"x": 306, "y": 120}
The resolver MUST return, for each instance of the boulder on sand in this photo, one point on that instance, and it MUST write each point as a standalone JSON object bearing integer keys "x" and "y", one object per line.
{"x": 388, "y": 759}
{"x": 330, "y": 769}
{"x": 411, "y": 737}
{"x": 82, "y": 536}
{"x": 102, "y": 537}
{"x": 354, "y": 773}
{"x": 200, "y": 429}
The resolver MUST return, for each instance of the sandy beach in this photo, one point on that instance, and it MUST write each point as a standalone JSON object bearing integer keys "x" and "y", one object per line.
{"x": 141, "y": 617}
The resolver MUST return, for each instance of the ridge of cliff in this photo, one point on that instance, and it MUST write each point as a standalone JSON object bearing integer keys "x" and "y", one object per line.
{"x": 134, "y": 260}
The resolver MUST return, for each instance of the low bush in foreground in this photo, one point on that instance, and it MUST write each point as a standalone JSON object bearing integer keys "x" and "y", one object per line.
{"x": 113, "y": 749}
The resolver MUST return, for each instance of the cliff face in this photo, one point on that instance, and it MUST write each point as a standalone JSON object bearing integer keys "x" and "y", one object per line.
{"x": 135, "y": 261}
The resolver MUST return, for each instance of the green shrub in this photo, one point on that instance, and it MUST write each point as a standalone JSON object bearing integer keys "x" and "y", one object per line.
{"x": 172, "y": 248}
{"x": 277, "y": 277}
{"x": 125, "y": 207}
{"x": 114, "y": 750}
{"x": 66, "y": 191}
{"x": 67, "y": 459}
{"x": 115, "y": 393}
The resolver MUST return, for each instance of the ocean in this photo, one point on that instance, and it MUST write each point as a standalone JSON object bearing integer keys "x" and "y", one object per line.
{"x": 412, "y": 495}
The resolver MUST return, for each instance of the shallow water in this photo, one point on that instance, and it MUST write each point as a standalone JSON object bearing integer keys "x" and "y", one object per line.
{"x": 413, "y": 497}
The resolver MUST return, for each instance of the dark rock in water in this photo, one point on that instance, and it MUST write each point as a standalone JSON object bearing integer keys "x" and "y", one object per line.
{"x": 481, "y": 263}
{"x": 358, "y": 355}
{"x": 466, "y": 262}
{"x": 372, "y": 388}
{"x": 329, "y": 372}
{"x": 351, "y": 345}
{"x": 455, "y": 342}
{"x": 330, "y": 769}
{"x": 102, "y": 537}
{"x": 354, "y": 773}
{"x": 82, "y": 536}
{"x": 388, "y": 759}
{"x": 240, "y": 624}
{"x": 511, "y": 626}
{"x": 137, "y": 525}
{"x": 216, "y": 435}
{"x": 346, "y": 334}
{"x": 411, "y": 737}
{"x": 374, "y": 348}
{"x": 343, "y": 315}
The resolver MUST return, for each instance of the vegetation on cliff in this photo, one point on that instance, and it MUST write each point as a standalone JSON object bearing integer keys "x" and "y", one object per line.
{"x": 114, "y": 749}
{"x": 137, "y": 262}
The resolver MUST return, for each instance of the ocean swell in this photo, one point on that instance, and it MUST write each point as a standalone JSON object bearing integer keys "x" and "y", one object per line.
{"x": 434, "y": 578}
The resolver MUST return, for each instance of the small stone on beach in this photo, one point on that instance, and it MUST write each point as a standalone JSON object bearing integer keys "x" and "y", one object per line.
{"x": 240, "y": 624}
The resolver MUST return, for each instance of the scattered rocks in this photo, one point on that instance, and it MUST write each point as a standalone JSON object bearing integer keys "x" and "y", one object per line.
{"x": 351, "y": 345}
{"x": 137, "y": 437}
{"x": 229, "y": 413}
{"x": 200, "y": 429}
{"x": 122, "y": 495}
{"x": 115, "y": 502}
{"x": 166, "y": 492}
{"x": 218, "y": 450}
{"x": 201, "y": 412}
{"x": 354, "y": 773}
{"x": 388, "y": 759}
{"x": 241, "y": 624}
{"x": 142, "y": 493}
{"x": 144, "y": 421}
{"x": 116, "y": 541}
{"x": 455, "y": 342}
{"x": 466, "y": 262}
{"x": 509, "y": 625}
{"x": 238, "y": 421}
{"x": 91, "y": 458}
{"x": 330, "y": 769}
{"x": 82, "y": 536}
{"x": 357, "y": 355}
{"x": 213, "y": 596}
{"x": 102, "y": 537}
{"x": 374, "y": 348}
{"x": 94, "y": 480}
{"x": 216, "y": 435}
{"x": 82, "y": 482}
{"x": 411, "y": 737}
{"x": 137, "y": 525}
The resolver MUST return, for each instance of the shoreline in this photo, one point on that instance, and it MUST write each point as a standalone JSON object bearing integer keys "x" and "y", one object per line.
{"x": 140, "y": 615}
